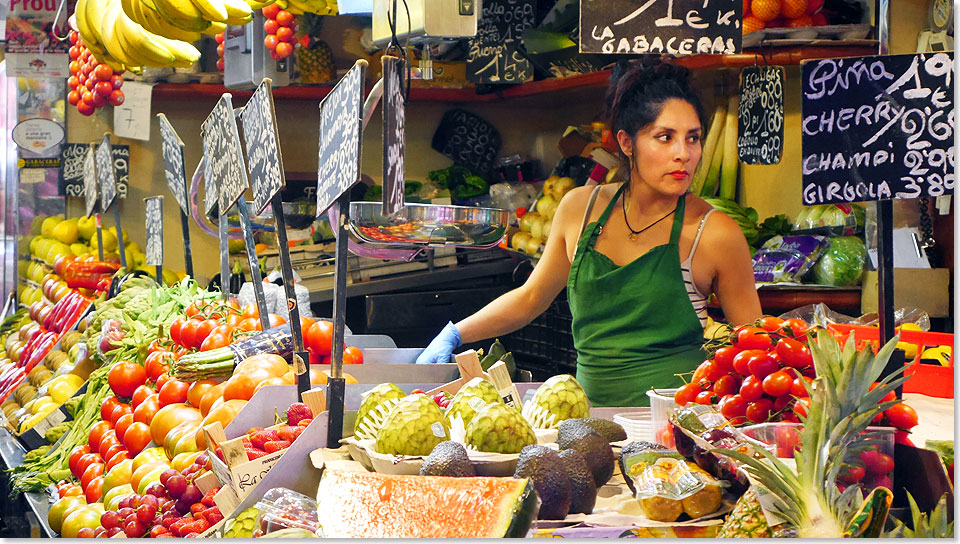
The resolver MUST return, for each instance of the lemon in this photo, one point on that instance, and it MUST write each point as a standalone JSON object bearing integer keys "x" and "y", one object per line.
{"x": 939, "y": 354}
{"x": 909, "y": 350}
{"x": 79, "y": 248}
{"x": 131, "y": 245}
{"x": 56, "y": 249}
{"x": 109, "y": 240}
{"x": 36, "y": 224}
{"x": 170, "y": 277}
{"x": 66, "y": 231}
{"x": 46, "y": 228}
{"x": 23, "y": 268}
{"x": 87, "y": 227}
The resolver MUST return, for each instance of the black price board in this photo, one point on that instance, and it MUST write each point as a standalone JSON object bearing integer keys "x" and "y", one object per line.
{"x": 106, "y": 176}
{"x": 91, "y": 191}
{"x": 262, "y": 141}
{"x": 875, "y": 128}
{"x": 674, "y": 27}
{"x": 760, "y": 115}
{"x": 493, "y": 56}
{"x": 467, "y": 139}
{"x": 71, "y": 174}
{"x": 174, "y": 168}
{"x": 154, "y": 224}
{"x": 221, "y": 150}
{"x": 209, "y": 186}
{"x": 338, "y": 166}
{"x": 394, "y": 120}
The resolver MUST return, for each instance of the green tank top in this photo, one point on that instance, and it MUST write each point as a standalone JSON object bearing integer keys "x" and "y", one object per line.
{"x": 634, "y": 326}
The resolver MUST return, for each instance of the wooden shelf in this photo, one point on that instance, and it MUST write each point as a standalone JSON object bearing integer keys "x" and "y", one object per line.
{"x": 778, "y": 56}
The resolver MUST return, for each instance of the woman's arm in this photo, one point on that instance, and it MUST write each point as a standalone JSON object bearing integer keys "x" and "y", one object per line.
{"x": 520, "y": 306}
{"x": 733, "y": 280}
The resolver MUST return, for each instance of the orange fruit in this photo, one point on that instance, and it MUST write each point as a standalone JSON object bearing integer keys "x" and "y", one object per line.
{"x": 805, "y": 20}
{"x": 752, "y": 24}
{"x": 765, "y": 10}
{"x": 791, "y": 9}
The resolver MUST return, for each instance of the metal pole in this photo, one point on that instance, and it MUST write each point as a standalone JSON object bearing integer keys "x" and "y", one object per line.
{"x": 187, "y": 256}
{"x": 255, "y": 277}
{"x": 336, "y": 385}
{"x": 286, "y": 270}
{"x": 99, "y": 238}
{"x": 224, "y": 258}
{"x": 121, "y": 247}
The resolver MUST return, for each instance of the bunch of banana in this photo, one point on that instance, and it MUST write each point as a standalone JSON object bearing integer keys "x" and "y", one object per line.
{"x": 745, "y": 217}
{"x": 299, "y": 7}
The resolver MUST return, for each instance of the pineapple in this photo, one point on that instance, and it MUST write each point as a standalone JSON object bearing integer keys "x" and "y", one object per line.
{"x": 314, "y": 58}
{"x": 841, "y": 408}
{"x": 746, "y": 520}
{"x": 933, "y": 526}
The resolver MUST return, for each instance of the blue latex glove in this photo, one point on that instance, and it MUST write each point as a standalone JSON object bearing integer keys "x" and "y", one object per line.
{"x": 441, "y": 348}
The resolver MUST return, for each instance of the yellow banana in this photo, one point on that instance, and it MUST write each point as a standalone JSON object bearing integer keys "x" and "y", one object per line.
{"x": 151, "y": 21}
{"x": 108, "y": 27}
{"x": 185, "y": 54}
{"x": 181, "y": 14}
{"x": 212, "y": 10}
{"x": 238, "y": 12}
{"x": 142, "y": 44}
{"x": 298, "y": 5}
{"x": 294, "y": 10}
{"x": 93, "y": 11}
{"x": 214, "y": 29}
{"x": 254, "y": 5}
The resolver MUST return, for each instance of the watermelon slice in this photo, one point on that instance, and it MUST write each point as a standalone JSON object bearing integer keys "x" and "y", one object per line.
{"x": 374, "y": 505}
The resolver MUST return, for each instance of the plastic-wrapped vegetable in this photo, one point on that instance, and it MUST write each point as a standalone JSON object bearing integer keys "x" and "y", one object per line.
{"x": 786, "y": 258}
{"x": 841, "y": 262}
{"x": 667, "y": 486}
{"x": 697, "y": 430}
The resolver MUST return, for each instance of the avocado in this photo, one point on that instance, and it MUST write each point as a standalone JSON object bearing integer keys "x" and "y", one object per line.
{"x": 581, "y": 480}
{"x": 631, "y": 449}
{"x": 607, "y": 429}
{"x": 448, "y": 458}
{"x": 546, "y": 470}
{"x": 593, "y": 447}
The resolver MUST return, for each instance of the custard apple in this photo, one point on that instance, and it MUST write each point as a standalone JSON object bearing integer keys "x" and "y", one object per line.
{"x": 413, "y": 427}
{"x": 376, "y": 404}
{"x": 470, "y": 398}
{"x": 499, "y": 428}
{"x": 558, "y": 399}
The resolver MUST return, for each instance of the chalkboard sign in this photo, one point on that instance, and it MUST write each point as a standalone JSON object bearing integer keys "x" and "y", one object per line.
{"x": 106, "y": 176}
{"x": 174, "y": 169}
{"x": 493, "y": 56}
{"x": 209, "y": 187}
{"x": 467, "y": 139}
{"x": 394, "y": 119}
{"x": 876, "y": 128}
{"x": 262, "y": 140}
{"x": 338, "y": 166}
{"x": 91, "y": 193}
{"x": 71, "y": 173}
{"x": 674, "y": 27}
{"x": 154, "y": 223}
{"x": 221, "y": 149}
{"x": 760, "y": 123}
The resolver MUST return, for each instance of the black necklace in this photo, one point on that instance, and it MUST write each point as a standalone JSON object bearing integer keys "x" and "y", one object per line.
{"x": 634, "y": 233}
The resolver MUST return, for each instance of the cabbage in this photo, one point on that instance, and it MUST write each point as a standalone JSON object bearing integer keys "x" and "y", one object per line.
{"x": 842, "y": 262}
{"x": 833, "y": 216}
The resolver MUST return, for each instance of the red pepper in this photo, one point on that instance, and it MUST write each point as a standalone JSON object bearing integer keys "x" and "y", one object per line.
{"x": 87, "y": 274}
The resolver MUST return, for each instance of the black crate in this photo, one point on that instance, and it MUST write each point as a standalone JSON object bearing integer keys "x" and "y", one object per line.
{"x": 545, "y": 346}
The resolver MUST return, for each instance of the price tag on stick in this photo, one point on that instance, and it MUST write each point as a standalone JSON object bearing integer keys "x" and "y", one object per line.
{"x": 107, "y": 177}
{"x": 175, "y": 172}
{"x": 760, "y": 115}
{"x": 154, "y": 224}
{"x": 876, "y": 128}
{"x": 394, "y": 114}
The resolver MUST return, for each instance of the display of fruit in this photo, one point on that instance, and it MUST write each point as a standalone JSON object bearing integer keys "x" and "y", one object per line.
{"x": 413, "y": 427}
{"x": 559, "y": 398}
{"x": 760, "y": 14}
{"x": 220, "y": 37}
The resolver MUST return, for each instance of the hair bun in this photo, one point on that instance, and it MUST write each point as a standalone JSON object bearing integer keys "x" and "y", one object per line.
{"x": 628, "y": 77}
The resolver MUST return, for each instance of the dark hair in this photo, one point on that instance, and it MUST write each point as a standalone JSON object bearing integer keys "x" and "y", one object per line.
{"x": 639, "y": 89}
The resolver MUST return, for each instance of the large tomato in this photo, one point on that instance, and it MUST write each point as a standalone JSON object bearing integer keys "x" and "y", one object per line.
{"x": 173, "y": 392}
{"x": 94, "y": 489}
{"x": 125, "y": 377}
{"x": 96, "y": 434}
{"x": 94, "y": 470}
{"x": 169, "y": 417}
{"x": 175, "y": 329}
{"x": 118, "y": 412}
{"x": 196, "y": 391}
{"x": 352, "y": 356}
{"x": 240, "y": 386}
{"x": 123, "y": 423}
{"x": 147, "y": 409}
{"x": 188, "y": 333}
{"x": 136, "y": 438}
{"x": 85, "y": 461}
{"x": 75, "y": 456}
{"x": 267, "y": 364}
{"x": 140, "y": 394}
{"x": 319, "y": 337}
{"x": 211, "y": 396}
{"x": 107, "y": 407}
{"x": 215, "y": 340}
{"x": 157, "y": 363}
{"x": 223, "y": 413}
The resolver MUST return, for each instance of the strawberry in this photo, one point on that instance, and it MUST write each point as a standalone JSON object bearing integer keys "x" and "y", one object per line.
{"x": 220, "y": 454}
{"x": 197, "y": 508}
{"x": 168, "y": 522}
{"x": 298, "y": 411}
{"x": 199, "y": 526}
{"x": 254, "y": 453}
{"x": 305, "y": 422}
{"x": 207, "y": 499}
{"x": 259, "y": 438}
{"x": 214, "y": 516}
{"x": 287, "y": 433}
{"x": 276, "y": 445}
{"x": 177, "y": 528}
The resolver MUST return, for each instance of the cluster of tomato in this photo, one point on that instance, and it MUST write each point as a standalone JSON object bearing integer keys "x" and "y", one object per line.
{"x": 220, "y": 37}
{"x": 281, "y": 29}
{"x": 212, "y": 325}
{"x": 92, "y": 84}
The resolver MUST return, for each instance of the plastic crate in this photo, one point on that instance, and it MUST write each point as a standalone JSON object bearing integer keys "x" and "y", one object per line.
{"x": 925, "y": 379}
{"x": 545, "y": 346}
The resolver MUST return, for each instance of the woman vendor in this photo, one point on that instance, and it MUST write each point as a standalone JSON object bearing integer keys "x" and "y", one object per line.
{"x": 638, "y": 258}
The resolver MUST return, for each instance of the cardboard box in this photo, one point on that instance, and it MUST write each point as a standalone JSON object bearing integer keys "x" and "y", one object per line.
{"x": 927, "y": 289}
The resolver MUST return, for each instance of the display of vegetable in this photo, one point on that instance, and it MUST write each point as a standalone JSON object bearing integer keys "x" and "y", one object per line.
{"x": 89, "y": 274}
{"x": 220, "y": 362}
{"x": 841, "y": 262}
{"x": 461, "y": 182}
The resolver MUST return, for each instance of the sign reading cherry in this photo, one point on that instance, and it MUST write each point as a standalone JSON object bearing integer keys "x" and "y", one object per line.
{"x": 281, "y": 29}
{"x": 92, "y": 84}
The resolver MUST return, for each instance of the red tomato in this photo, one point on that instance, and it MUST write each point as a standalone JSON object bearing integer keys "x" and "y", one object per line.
{"x": 215, "y": 340}
{"x": 194, "y": 308}
{"x": 75, "y": 456}
{"x": 723, "y": 357}
{"x": 175, "y": 329}
{"x": 125, "y": 377}
{"x": 147, "y": 409}
{"x": 782, "y": 402}
{"x": 116, "y": 459}
{"x": 224, "y": 329}
{"x": 777, "y": 384}
{"x": 741, "y": 361}
{"x": 797, "y": 388}
{"x": 876, "y": 462}
{"x": 352, "y": 356}
{"x": 319, "y": 337}
{"x": 137, "y": 438}
{"x": 249, "y": 324}
{"x": 759, "y": 410}
{"x": 726, "y": 385}
{"x": 275, "y": 321}
{"x": 140, "y": 394}
{"x": 753, "y": 338}
{"x": 157, "y": 363}
{"x": 203, "y": 331}
{"x": 109, "y": 439}
{"x": 852, "y": 473}
{"x": 85, "y": 461}
{"x": 734, "y": 408}
{"x": 250, "y": 311}
{"x": 284, "y": 18}
{"x": 686, "y": 394}
{"x": 96, "y": 434}
{"x": 173, "y": 391}
{"x": 188, "y": 333}
{"x": 162, "y": 380}
{"x": 122, "y": 423}
{"x": 94, "y": 488}
{"x": 891, "y": 396}
{"x": 306, "y": 323}
{"x": 903, "y": 437}
{"x": 902, "y": 416}
{"x": 107, "y": 408}
{"x": 233, "y": 319}
{"x": 705, "y": 397}
{"x": 794, "y": 353}
{"x": 752, "y": 389}
{"x": 92, "y": 471}
{"x": 794, "y": 327}
{"x": 801, "y": 407}
{"x": 762, "y": 366}
{"x": 770, "y": 323}
{"x": 114, "y": 450}
{"x": 120, "y": 410}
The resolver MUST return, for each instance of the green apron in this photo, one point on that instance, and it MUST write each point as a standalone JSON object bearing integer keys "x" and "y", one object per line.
{"x": 634, "y": 326}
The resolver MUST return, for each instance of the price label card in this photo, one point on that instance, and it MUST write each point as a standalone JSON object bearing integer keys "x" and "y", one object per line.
{"x": 90, "y": 185}
{"x": 174, "y": 169}
{"x": 875, "y": 128}
{"x": 106, "y": 176}
{"x": 132, "y": 118}
{"x": 467, "y": 139}
{"x": 394, "y": 118}
{"x": 154, "y": 224}
{"x": 72, "y": 157}
{"x": 493, "y": 56}
{"x": 760, "y": 115}
{"x": 262, "y": 140}
{"x": 221, "y": 150}
{"x": 338, "y": 166}
{"x": 674, "y": 27}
